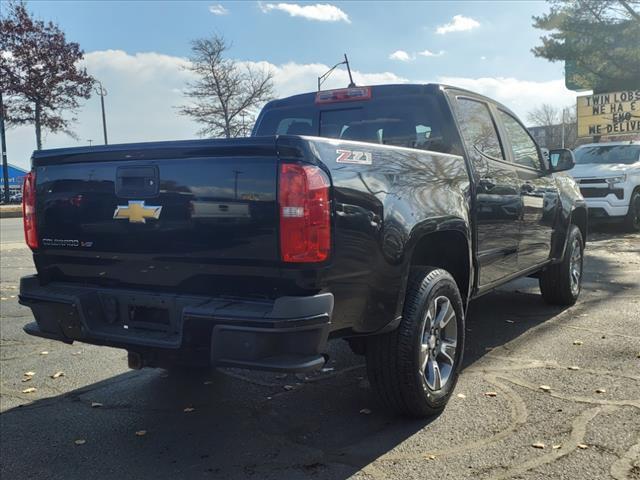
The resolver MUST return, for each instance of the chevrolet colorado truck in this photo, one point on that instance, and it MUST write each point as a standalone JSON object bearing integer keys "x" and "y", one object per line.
{"x": 373, "y": 214}
{"x": 609, "y": 178}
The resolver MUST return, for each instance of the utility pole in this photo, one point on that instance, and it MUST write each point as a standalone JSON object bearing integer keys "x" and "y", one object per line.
{"x": 90, "y": 141}
{"x": 103, "y": 93}
{"x": 5, "y": 166}
{"x": 563, "y": 112}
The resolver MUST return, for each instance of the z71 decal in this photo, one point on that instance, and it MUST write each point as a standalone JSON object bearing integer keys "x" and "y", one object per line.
{"x": 354, "y": 156}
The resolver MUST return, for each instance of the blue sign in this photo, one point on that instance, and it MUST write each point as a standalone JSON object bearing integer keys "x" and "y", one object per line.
{"x": 16, "y": 177}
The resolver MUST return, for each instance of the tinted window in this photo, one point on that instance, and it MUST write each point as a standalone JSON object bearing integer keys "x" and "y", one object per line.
{"x": 405, "y": 121}
{"x": 525, "y": 152}
{"x": 626, "y": 154}
{"x": 478, "y": 130}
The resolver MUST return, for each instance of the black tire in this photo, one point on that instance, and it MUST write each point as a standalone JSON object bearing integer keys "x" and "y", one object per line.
{"x": 556, "y": 283}
{"x": 395, "y": 360}
{"x": 632, "y": 220}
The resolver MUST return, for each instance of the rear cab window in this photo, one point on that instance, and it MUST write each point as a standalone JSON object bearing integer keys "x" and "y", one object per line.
{"x": 411, "y": 121}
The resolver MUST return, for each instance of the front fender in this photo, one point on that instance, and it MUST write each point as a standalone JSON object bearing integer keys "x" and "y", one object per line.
{"x": 572, "y": 209}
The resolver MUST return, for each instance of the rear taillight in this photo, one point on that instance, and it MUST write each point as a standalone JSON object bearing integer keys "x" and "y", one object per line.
{"x": 29, "y": 210}
{"x": 305, "y": 220}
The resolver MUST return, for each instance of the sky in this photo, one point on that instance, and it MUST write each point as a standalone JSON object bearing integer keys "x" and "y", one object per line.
{"x": 139, "y": 51}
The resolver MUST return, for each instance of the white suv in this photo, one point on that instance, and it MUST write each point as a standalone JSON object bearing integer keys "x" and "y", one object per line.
{"x": 609, "y": 178}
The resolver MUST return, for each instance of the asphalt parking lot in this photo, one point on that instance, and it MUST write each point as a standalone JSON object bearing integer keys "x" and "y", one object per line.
{"x": 100, "y": 420}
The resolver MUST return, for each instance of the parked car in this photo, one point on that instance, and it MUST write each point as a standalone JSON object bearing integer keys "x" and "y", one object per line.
{"x": 609, "y": 179}
{"x": 15, "y": 198}
{"x": 374, "y": 214}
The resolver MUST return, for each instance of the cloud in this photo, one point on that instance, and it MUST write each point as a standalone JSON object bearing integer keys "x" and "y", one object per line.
{"x": 218, "y": 9}
{"x": 521, "y": 96}
{"x": 459, "y": 23}
{"x": 400, "y": 55}
{"x": 143, "y": 91}
{"x": 429, "y": 53}
{"x": 322, "y": 12}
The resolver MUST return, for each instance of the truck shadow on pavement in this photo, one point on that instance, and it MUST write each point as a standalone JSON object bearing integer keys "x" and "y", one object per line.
{"x": 235, "y": 424}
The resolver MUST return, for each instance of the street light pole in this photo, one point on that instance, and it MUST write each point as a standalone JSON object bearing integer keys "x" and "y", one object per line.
{"x": 563, "y": 120}
{"x": 3, "y": 141}
{"x": 103, "y": 93}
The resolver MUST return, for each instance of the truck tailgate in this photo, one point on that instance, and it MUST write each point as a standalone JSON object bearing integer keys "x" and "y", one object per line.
{"x": 171, "y": 214}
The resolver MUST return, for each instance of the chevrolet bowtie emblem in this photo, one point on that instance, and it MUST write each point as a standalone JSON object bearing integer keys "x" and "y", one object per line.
{"x": 136, "y": 212}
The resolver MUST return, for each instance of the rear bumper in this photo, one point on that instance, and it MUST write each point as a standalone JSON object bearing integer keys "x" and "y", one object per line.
{"x": 288, "y": 334}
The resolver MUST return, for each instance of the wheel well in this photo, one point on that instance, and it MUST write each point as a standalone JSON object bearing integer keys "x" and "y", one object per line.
{"x": 579, "y": 219}
{"x": 448, "y": 250}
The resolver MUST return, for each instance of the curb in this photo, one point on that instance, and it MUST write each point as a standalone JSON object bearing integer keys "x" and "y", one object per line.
{"x": 11, "y": 212}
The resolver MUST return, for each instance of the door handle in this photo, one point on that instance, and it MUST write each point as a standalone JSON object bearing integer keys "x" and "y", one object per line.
{"x": 487, "y": 184}
{"x": 527, "y": 187}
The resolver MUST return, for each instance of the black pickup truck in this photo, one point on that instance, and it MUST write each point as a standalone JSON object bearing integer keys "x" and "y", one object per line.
{"x": 373, "y": 214}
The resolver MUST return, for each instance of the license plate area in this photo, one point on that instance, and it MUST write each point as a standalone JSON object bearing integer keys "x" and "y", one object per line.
{"x": 143, "y": 314}
{"x": 149, "y": 318}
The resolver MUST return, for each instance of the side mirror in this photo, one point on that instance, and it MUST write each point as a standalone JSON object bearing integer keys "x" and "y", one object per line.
{"x": 561, "y": 159}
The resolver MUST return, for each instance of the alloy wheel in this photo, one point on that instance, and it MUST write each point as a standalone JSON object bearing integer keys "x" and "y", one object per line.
{"x": 439, "y": 343}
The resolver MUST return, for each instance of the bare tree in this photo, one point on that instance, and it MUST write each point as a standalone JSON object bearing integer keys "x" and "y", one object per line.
{"x": 226, "y": 95}
{"x": 39, "y": 72}
{"x": 545, "y": 115}
{"x": 556, "y": 122}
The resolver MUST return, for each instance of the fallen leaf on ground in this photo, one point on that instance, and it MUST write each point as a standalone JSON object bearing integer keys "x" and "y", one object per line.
{"x": 29, "y": 374}
{"x": 141, "y": 433}
{"x": 57, "y": 375}
{"x": 556, "y": 447}
{"x": 490, "y": 394}
{"x": 29, "y": 390}
{"x": 96, "y": 405}
{"x": 573, "y": 367}
{"x": 189, "y": 409}
{"x": 545, "y": 388}
{"x": 26, "y": 379}
{"x": 80, "y": 441}
{"x": 365, "y": 411}
{"x": 76, "y": 353}
{"x": 461, "y": 395}
{"x": 577, "y": 342}
{"x": 44, "y": 353}
{"x": 601, "y": 390}
{"x": 538, "y": 445}
{"x": 431, "y": 457}
{"x": 582, "y": 446}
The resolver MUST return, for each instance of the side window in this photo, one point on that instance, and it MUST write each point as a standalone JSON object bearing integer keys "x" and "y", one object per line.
{"x": 478, "y": 130}
{"x": 525, "y": 152}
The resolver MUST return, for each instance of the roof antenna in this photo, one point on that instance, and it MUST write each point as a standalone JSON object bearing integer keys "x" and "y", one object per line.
{"x": 351, "y": 82}
{"x": 324, "y": 77}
